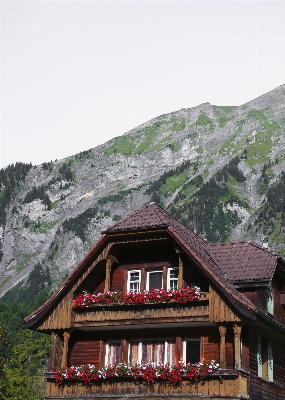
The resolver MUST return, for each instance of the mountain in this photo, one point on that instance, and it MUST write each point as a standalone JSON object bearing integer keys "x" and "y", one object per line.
{"x": 218, "y": 169}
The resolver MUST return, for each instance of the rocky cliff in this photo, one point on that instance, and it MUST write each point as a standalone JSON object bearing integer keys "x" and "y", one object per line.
{"x": 218, "y": 169}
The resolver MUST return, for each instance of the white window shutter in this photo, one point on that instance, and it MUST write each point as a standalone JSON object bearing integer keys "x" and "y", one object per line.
{"x": 270, "y": 298}
{"x": 258, "y": 357}
{"x": 270, "y": 361}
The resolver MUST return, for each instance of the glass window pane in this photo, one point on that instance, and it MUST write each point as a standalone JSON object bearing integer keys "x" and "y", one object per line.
{"x": 113, "y": 354}
{"x": 193, "y": 351}
{"x": 170, "y": 352}
{"x": 134, "y": 353}
{"x": 153, "y": 351}
{"x": 134, "y": 281}
{"x": 173, "y": 278}
{"x": 155, "y": 280}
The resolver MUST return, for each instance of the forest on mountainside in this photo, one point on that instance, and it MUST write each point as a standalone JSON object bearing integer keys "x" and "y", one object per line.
{"x": 24, "y": 354}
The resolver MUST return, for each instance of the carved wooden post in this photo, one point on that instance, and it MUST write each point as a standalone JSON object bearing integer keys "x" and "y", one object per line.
{"x": 223, "y": 330}
{"x": 53, "y": 351}
{"x": 237, "y": 345}
{"x": 66, "y": 336}
{"x": 124, "y": 351}
{"x": 108, "y": 275}
{"x": 178, "y": 349}
{"x": 180, "y": 271}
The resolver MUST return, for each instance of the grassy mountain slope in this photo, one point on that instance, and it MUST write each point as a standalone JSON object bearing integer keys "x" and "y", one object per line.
{"x": 220, "y": 170}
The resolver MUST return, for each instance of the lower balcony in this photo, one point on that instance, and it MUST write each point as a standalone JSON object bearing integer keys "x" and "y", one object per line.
{"x": 221, "y": 384}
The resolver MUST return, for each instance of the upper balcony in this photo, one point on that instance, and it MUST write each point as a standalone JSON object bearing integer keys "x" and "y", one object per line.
{"x": 196, "y": 309}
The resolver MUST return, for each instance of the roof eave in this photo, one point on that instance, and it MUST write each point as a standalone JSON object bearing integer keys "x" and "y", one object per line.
{"x": 131, "y": 230}
{"x": 246, "y": 310}
{"x": 34, "y": 317}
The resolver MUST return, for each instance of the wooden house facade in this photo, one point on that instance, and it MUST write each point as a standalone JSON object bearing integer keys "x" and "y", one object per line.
{"x": 238, "y": 318}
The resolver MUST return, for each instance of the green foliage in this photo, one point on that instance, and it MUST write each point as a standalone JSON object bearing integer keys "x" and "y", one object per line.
{"x": 133, "y": 144}
{"x": 155, "y": 186}
{"x": 113, "y": 198}
{"x": 48, "y": 166}
{"x": 203, "y": 119}
{"x": 190, "y": 187}
{"x": 224, "y": 114}
{"x": 24, "y": 375}
{"x": 37, "y": 226}
{"x": 80, "y": 223}
{"x": 205, "y": 212}
{"x": 65, "y": 173}
{"x": 274, "y": 207}
{"x": 232, "y": 168}
{"x": 10, "y": 179}
{"x": 173, "y": 146}
{"x": 83, "y": 155}
{"x": 23, "y": 353}
{"x": 123, "y": 144}
{"x": 174, "y": 182}
{"x": 3, "y": 366}
{"x": 26, "y": 258}
{"x": 38, "y": 193}
{"x": 149, "y": 134}
{"x": 178, "y": 125}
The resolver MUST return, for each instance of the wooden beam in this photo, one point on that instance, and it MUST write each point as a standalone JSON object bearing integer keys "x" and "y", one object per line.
{"x": 108, "y": 275}
{"x": 143, "y": 280}
{"x": 164, "y": 278}
{"x": 66, "y": 336}
{"x": 237, "y": 346}
{"x": 53, "y": 352}
{"x": 178, "y": 349}
{"x": 113, "y": 258}
{"x": 124, "y": 351}
{"x": 222, "y": 330}
{"x": 180, "y": 271}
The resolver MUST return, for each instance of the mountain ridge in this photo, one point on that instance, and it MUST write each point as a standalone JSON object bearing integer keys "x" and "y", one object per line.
{"x": 214, "y": 168}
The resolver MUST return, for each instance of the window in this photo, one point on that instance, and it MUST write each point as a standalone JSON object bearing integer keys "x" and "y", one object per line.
{"x": 154, "y": 280}
{"x": 270, "y": 298}
{"x": 113, "y": 353}
{"x": 157, "y": 351}
{"x": 134, "y": 281}
{"x": 191, "y": 350}
{"x": 264, "y": 359}
{"x": 172, "y": 278}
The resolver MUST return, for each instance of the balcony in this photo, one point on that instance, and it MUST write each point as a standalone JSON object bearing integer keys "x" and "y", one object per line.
{"x": 229, "y": 384}
{"x": 197, "y": 310}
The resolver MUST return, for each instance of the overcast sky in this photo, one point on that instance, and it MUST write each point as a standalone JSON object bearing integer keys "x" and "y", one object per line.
{"x": 75, "y": 74}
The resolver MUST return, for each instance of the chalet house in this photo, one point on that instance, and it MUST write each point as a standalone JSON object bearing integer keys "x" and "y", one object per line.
{"x": 236, "y": 318}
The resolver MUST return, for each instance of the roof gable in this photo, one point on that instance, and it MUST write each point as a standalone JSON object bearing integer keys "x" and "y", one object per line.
{"x": 151, "y": 216}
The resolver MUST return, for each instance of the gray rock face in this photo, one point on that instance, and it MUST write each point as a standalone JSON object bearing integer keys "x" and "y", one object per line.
{"x": 92, "y": 189}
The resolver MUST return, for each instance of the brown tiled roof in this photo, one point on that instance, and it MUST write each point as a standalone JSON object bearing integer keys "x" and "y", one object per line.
{"x": 151, "y": 215}
{"x": 222, "y": 263}
{"x": 244, "y": 261}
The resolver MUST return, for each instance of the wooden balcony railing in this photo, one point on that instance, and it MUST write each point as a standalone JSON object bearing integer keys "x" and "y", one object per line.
{"x": 197, "y": 310}
{"x": 228, "y": 384}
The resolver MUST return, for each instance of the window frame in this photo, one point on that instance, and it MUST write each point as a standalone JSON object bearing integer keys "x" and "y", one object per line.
{"x": 174, "y": 279}
{"x": 270, "y": 300}
{"x": 152, "y": 271}
{"x": 166, "y": 342}
{"x": 107, "y": 349}
{"x": 264, "y": 359}
{"x": 139, "y": 280}
{"x": 187, "y": 340}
